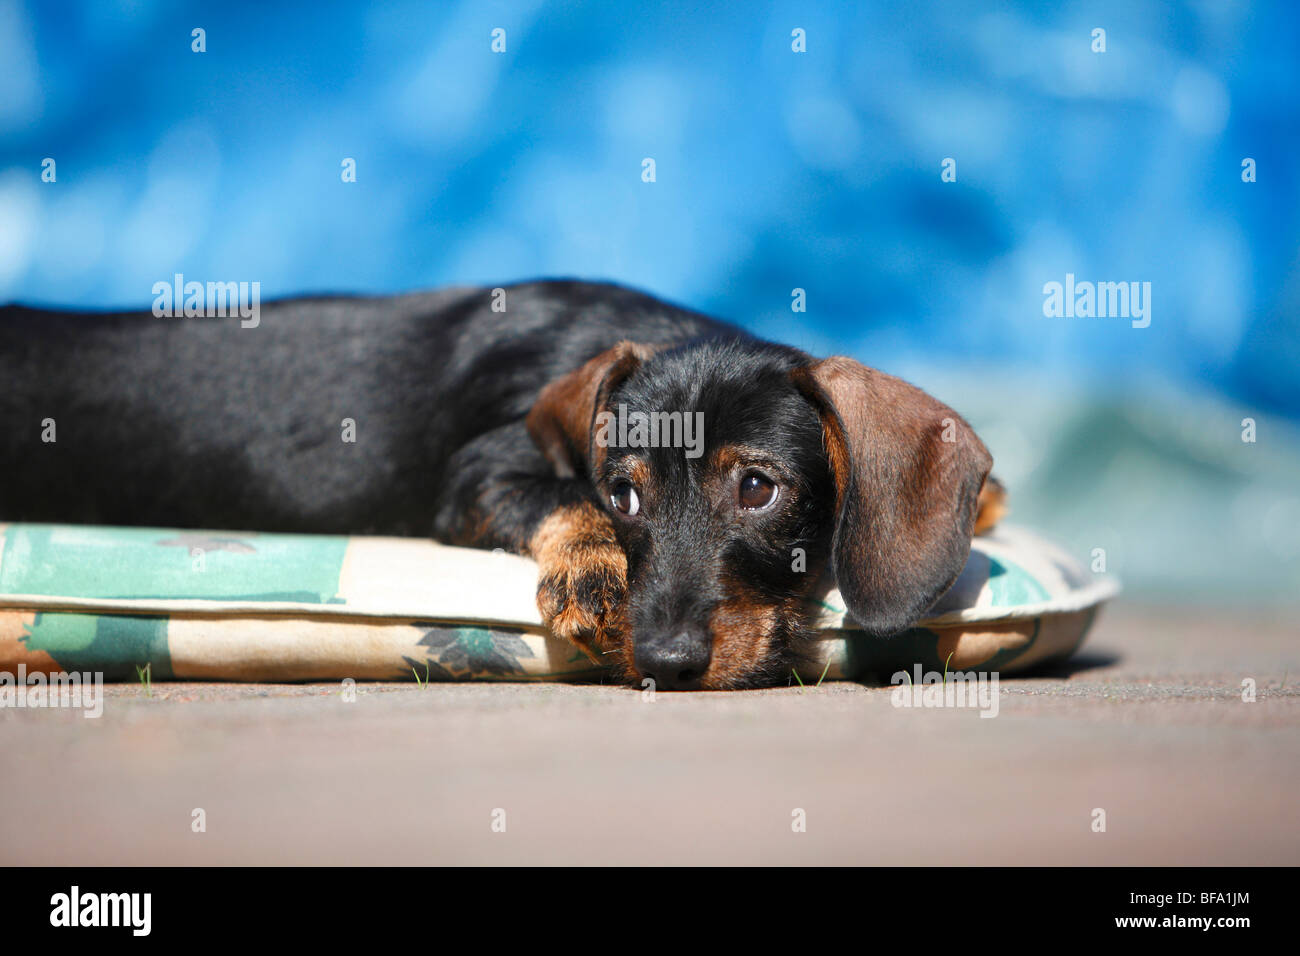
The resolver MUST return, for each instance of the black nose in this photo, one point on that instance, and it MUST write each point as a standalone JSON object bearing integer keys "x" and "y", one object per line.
{"x": 673, "y": 663}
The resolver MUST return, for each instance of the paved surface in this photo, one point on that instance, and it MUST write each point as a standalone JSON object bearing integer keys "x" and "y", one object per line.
{"x": 1147, "y": 724}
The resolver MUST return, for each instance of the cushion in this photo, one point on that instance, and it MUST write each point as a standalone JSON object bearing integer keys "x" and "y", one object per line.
{"x": 200, "y": 605}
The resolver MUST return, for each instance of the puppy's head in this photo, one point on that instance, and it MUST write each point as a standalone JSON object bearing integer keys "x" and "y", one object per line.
{"x": 735, "y": 473}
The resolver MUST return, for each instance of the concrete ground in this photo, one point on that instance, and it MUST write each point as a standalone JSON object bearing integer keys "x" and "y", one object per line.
{"x": 1147, "y": 724}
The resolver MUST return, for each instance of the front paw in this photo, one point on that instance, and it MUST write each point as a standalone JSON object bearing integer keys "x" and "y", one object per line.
{"x": 582, "y": 580}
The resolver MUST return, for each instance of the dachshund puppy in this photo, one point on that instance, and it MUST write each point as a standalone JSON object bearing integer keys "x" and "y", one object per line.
{"x": 682, "y": 485}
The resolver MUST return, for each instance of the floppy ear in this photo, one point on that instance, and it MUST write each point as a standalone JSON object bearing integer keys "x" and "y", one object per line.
{"x": 561, "y": 420}
{"x": 907, "y": 472}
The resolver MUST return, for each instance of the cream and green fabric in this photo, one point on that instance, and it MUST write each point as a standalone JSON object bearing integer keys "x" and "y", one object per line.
{"x": 269, "y": 607}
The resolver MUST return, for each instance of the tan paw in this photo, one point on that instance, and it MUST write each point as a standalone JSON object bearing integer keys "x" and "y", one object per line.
{"x": 582, "y": 579}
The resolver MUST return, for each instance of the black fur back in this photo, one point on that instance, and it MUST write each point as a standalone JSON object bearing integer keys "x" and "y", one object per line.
{"x": 197, "y": 422}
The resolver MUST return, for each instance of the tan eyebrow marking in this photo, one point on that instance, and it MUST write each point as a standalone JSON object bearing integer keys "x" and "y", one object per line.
{"x": 728, "y": 457}
{"x": 639, "y": 472}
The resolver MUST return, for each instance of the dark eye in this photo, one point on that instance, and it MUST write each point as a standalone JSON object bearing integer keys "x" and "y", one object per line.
{"x": 623, "y": 497}
{"x": 756, "y": 492}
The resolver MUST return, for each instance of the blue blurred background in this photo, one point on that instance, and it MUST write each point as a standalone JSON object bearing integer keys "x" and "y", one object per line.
{"x": 775, "y": 169}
